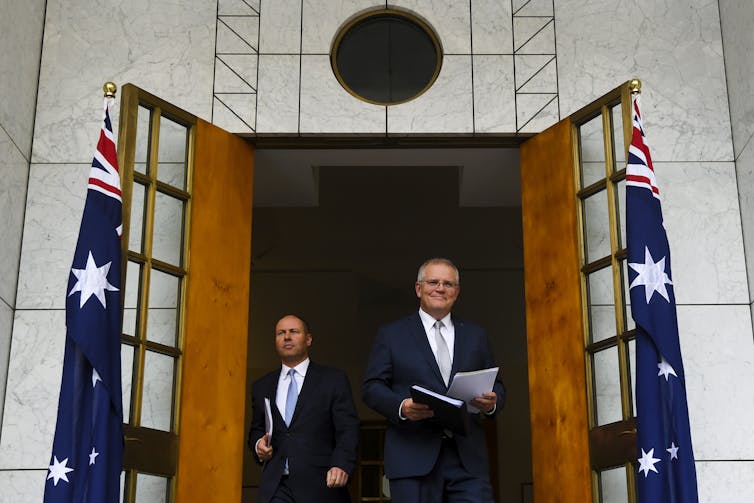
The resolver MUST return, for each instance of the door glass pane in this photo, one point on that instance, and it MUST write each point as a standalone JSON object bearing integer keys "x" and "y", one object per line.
{"x": 619, "y": 153}
{"x": 168, "y": 223}
{"x": 632, "y": 372}
{"x": 592, "y": 155}
{"x": 630, "y": 323}
{"x": 601, "y": 306}
{"x": 614, "y": 486}
{"x": 157, "y": 400}
{"x": 172, "y": 155}
{"x": 142, "y": 140}
{"x": 164, "y": 292}
{"x": 126, "y": 378}
{"x": 621, "y": 209}
{"x": 596, "y": 226}
{"x": 136, "y": 225}
{"x": 131, "y": 298}
{"x": 151, "y": 489}
{"x": 607, "y": 386}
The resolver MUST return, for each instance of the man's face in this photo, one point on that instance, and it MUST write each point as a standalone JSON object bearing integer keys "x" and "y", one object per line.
{"x": 292, "y": 341}
{"x": 438, "y": 300}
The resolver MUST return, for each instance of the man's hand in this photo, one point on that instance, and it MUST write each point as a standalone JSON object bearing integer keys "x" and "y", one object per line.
{"x": 415, "y": 411}
{"x": 336, "y": 477}
{"x": 486, "y": 402}
{"x": 264, "y": 449}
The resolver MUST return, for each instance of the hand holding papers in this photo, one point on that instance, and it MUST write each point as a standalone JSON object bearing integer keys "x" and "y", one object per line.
{"x": 267, "y": 417}
{"x": 449, "y": 412}
{"x": 468, "y": 385}
{"x": 263, "y": 446}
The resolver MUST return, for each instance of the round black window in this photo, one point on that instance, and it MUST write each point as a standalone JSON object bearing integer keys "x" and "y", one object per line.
{"x": 386, "y": 57}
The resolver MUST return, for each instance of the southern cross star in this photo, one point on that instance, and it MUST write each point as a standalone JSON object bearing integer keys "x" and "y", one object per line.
{"x": 92, "y": 280}
{"x": 93, "y": 456}
{"x": 665, "y": 369}
{"x": 673, "y": 450}
{"x": 58, "y": 470}
{"x": 647, "y": 462}
{"x": 652, "y": 275}
{"x": 95, "y": 378}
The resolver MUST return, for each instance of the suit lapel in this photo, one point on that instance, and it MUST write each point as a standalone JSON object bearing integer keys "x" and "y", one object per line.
{"x": 458, "y": 328}
{"x": 420, "y": 338}
{"x": 307, "y": 390}
{"x": 277, "y": 417}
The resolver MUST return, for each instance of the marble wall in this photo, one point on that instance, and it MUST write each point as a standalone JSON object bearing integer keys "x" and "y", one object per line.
{"x": 688, "y": 124}
{"x": 498, "y": 73}
{"x": 738, "y": 42}
{"x": 166, "y": 48}
{"x": 262, "y": 67}
{"x": 21, "y": 38}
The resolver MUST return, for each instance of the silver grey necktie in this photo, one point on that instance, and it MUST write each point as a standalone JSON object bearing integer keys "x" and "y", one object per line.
{"x": 443, "y": 355}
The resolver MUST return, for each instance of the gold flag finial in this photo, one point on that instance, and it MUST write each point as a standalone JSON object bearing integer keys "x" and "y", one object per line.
{"x": 110, "y": 89}
{"x": 634, "y": 85}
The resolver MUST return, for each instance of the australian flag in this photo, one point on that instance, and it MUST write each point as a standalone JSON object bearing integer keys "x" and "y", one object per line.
{"x": 666, "y": 463}
{"x": 87, "y": 452}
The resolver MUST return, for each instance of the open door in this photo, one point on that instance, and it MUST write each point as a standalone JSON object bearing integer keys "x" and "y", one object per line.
{"x": 187, "y": 194}
{"x": 580, "y": 339}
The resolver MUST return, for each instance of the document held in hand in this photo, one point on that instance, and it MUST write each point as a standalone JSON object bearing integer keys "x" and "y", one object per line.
{"x": 449, "y": 412}
{"x": 267, "y": 417}
{"x": 468, "y": 385}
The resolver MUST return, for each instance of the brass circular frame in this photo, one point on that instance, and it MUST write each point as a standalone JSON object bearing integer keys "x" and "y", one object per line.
{"x": 386, "y": 12}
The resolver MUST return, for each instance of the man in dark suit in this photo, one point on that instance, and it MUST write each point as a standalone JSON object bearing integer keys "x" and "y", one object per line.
{"x": 424, "y": 462}
{"x": 312, "y": 449}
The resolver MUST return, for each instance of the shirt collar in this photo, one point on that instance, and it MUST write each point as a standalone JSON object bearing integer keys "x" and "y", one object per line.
{"x": 301, "y": 368}
{"x": 428, "y": 321}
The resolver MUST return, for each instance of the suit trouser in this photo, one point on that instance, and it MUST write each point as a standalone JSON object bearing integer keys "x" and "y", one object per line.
{"x": 448, "y": 482}
{"x": 283, "y": 494}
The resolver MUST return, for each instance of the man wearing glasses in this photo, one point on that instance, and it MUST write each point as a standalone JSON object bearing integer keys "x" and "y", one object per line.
{"x": 424, "y": 462}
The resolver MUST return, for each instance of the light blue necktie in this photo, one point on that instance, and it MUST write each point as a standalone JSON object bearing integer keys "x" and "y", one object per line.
{"x": 290, "y": 401}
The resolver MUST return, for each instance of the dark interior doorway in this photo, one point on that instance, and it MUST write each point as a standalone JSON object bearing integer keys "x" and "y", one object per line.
{"x": 338, "y": 235}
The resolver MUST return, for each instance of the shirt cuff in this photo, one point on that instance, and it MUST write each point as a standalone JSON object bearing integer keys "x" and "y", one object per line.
{"x": 400, "y": 408}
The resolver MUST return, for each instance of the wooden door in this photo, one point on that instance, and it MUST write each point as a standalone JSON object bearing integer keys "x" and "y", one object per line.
{"x": 574, "y": 263}
{"x": 187, "y": 189}
{"x": 557, "y": 383}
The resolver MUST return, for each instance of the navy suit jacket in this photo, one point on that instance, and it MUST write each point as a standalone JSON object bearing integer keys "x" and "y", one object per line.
{"x": 402, "y": 357}
{"x": 323, "y": 433}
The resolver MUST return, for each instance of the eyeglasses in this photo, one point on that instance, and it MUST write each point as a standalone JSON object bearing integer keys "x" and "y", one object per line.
{"x": 434, "y": 283}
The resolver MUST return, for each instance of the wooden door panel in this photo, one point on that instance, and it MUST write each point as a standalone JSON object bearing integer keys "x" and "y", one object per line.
{"x": 211, "y": 427}
{"x": 560, "y": 442}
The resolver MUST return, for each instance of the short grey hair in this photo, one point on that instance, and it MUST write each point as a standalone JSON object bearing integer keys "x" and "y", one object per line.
{"x": 437, "y": 260}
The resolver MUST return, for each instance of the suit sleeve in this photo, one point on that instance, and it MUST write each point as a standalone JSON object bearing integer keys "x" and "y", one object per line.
{"x": 377, "y": 389}
{"x": 257, "y": 430}
{"x": 497, "y": 386}
{"x": 346, "y": 422}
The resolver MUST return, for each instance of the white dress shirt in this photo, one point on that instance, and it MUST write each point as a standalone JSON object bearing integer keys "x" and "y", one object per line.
{"x": 282, "y": 394}
{"x": 448, "y": 332}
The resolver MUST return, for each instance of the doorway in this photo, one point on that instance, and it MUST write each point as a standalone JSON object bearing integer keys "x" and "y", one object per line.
{"x": 337, "y": 237}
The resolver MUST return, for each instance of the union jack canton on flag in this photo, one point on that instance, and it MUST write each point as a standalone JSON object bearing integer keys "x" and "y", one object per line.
{"x": 666, "y": 464}
{"x": 86, "y": 460}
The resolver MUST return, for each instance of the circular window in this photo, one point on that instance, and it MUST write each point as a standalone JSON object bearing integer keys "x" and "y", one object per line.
{"x": 386, "y": 57}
